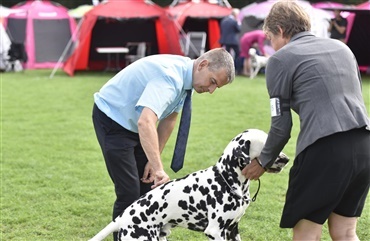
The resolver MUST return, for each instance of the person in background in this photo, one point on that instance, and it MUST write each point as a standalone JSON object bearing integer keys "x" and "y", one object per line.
{"x": 230, "y": 29}
{"x": 247, "y": 41}
{"x": 135, "y": 112}
{"x": 338, "y": 27}
{"x": 319, "y": 79}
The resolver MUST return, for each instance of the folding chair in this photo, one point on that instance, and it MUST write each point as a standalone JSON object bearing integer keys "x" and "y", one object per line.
{"x": 195, "y": 44}
{"x": 139, "y": 50}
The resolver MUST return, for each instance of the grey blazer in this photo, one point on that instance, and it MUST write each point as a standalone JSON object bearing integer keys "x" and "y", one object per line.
{"x": 318, "y": 78}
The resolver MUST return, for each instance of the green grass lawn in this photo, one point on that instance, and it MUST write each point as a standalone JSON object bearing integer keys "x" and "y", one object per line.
{"x": 54, "y": 185}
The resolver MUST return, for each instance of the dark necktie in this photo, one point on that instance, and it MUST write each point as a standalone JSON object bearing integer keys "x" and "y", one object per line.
{"x": 182, "y": 135}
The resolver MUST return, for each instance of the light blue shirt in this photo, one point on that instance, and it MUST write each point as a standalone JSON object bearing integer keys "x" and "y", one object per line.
{"x": 158, "y": 82}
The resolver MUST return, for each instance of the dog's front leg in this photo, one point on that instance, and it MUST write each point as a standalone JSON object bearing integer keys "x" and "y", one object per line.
{"x": 232, "y": 233}
{"x": 213, "y": 232}
{"x": 165, "y": 231}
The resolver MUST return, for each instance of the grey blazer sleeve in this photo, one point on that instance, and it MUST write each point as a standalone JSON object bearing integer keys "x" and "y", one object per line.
{"x": 279, "y": 89}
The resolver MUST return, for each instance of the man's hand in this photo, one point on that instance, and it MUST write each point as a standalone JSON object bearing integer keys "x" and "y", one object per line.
{"x": 160, "y": 178}
{"x": 253, "y": 170}
{"x": 148, "y": 176}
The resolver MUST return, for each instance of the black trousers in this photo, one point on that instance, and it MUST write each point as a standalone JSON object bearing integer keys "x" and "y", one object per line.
{"x": 124, "y": 158}
{"x": 238, "y": 64}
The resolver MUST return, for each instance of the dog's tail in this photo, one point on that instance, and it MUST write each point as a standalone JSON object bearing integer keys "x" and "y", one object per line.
{"x": 110, "y": 228}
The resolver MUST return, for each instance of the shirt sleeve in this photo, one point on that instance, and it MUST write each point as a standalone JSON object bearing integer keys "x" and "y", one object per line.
{"x": 157, "y": 96}
{"x": 279, "y": 88}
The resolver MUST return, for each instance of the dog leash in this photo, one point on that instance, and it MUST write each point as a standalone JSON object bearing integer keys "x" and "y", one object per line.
{"x": 254, "y": 198}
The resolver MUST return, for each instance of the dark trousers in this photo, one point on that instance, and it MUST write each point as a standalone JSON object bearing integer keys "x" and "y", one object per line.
{"x": 124, "y": 158}
{"x": 237, "y": 60}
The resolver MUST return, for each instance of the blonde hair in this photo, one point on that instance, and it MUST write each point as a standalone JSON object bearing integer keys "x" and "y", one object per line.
{"x": 219, "y": 58}
{"x": 289, "y": 16}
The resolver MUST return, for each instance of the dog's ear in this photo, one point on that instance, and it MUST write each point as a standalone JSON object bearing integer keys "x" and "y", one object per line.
{"x": 241, "y": 153}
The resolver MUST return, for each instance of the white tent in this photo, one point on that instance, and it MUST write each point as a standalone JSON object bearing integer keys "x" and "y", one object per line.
{"x": 4, "y": 11}
{"x": 80, "y": 11}
{"x": 320, "y": 19}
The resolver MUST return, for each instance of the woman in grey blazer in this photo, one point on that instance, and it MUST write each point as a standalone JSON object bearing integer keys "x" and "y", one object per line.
{"x": 318, "y": 79}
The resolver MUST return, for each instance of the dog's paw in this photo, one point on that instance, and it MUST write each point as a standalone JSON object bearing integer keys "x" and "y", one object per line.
{"x": 278, "y": 165}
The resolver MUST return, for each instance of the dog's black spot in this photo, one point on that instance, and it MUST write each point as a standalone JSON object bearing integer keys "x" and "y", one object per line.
{"x": 143, "y": 217}
{"x": 192, "y": 209}
{"x": 195, "y": 227}
{"x": 172, "y": 221}
{"x": 165, "y": 205}
{"x": 202, "y": 223}
{"x": 186, "y": 216}
{"x": 228, "y": 207}
{"x": 165, "y": 193}
{"x": 132, "y": 212}
{"x": 204, "y": 190}
{"x": 144, "y": 202}
{"x": 210, "y": 237}
{"x": 202, "y": 206}
{"x": 183, "y": 205}
{"x": 199, "y": 216}
{"x": 138, "y": 231}
{"x": 211, "y": 201}
{"x": 152, "y": 209}
{"x": 136, "y": 220}
{"x": 186, "y": 189}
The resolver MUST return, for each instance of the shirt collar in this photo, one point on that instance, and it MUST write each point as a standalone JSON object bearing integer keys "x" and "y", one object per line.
{"x": 301, "y": 35}
{"x": 188, "y": 80}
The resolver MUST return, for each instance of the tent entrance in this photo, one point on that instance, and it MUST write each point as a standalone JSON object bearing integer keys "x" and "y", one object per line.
{"x": 197, "y": 25}
{"x": 109, "y": 32}
{"x": 52, "y": 38}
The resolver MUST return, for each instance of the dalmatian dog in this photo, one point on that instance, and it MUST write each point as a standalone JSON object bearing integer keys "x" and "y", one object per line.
{"x": 211, "y": 201}
{"x": 257, "y": 62}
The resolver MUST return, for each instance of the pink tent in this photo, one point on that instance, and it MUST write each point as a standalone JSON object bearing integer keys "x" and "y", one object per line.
{"x": 358, "y": 37}
{"x": 327, "y": 5}
{"x": 44, "y": 27}
{"x": 333, "y": 5}
{"x": 364, "y": 6}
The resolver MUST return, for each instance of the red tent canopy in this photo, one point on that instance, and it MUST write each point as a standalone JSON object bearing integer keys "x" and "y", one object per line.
{"x": 191, "y": 14}
{"x": 115, "y": 22}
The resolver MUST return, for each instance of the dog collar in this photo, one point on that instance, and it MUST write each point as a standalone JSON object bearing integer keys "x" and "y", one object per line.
{"x": 246, "y": 200}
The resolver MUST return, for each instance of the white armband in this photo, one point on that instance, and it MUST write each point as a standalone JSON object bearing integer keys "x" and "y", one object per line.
{"x": 275, "y": 107}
